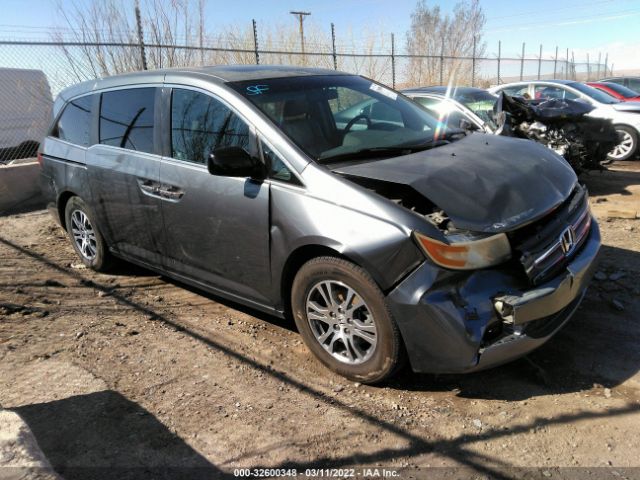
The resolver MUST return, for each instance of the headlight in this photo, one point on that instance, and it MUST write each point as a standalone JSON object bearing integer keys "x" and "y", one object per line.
{"x": 465, "y": 254}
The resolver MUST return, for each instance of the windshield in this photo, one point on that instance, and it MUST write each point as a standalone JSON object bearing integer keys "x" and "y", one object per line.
{"x": 337, "y": 115}
{"x": 594, "y": 93}
{"x": 479, "y": 102}
{"x": 621, "y": 89}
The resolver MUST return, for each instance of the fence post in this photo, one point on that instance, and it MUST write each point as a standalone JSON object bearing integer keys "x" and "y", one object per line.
{"x": 540, "y": 62}
{"x": 442, "y": 61}
{"x": 599, "y": 60}
{"x": 555, "y": 64}
{"x": 255, "y": 41}
{"x": 606, "y": 63}
{"x": 393, "y": 61}
{"x": 143, "y": 55}
{"x": 566, "y": 68}
{"x": 522, "y": 62}
{"x": 333, "y": 46}
{"x": 612, "y": 69}
{"x": 499, "y": 55}
{"x": 473, "y": 63}
{"x": 573, "y": 65}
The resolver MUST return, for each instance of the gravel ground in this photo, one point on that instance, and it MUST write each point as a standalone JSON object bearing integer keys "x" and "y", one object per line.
{"x": 132, "y": 375}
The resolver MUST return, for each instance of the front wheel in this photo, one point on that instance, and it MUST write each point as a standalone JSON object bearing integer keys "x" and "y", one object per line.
{"x": 344, "y": 319}
{"x": 628, "y": 145}
{"x": 85, "y": 236}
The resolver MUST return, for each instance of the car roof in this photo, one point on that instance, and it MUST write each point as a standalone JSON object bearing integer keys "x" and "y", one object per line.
{"x": 528, "y": 82}
{"x": 216, "y": 74}
{"x": 442, "y": 89}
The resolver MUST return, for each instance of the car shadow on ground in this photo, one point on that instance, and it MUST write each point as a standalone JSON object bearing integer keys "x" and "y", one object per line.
{"x": 597, "y": 346}
{"x": 613, "y": 180}
{"x": 103, "y": 435}
{"x": 79, "y": 427}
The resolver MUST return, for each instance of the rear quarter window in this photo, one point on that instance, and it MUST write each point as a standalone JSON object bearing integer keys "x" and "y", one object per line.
{"x": 74, "y": 125}
{"x": 517, "y": 91}
{"x": 634, "y": 84}
{"x": 126, "y": 119}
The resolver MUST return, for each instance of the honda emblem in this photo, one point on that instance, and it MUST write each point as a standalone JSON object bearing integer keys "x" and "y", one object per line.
{"x": 568, "y": 240}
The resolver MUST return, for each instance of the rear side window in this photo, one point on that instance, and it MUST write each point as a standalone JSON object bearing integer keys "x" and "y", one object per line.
{"x": 517, "y": 91}
{"x": 200, "y": 124}
{"x": 546, "y": 92}
{"x": 74, "y": 125}
{"x": 126, "y": 119}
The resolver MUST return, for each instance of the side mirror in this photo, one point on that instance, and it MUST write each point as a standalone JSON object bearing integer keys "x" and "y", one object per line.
{"x": 235, "y": 162}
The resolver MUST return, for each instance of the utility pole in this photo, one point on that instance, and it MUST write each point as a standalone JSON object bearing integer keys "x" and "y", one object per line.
{"x": 333, "y": 47}
{"x": 255, "y": 41}
{"x": 143, "y": 55}
{"x": 301, "y": 16}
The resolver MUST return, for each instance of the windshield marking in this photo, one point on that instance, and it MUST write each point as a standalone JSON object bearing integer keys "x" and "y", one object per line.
{"x": 257, "y": 89}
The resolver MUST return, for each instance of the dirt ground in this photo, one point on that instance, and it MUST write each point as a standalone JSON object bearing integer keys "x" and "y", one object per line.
{"x": 132, "y": 375}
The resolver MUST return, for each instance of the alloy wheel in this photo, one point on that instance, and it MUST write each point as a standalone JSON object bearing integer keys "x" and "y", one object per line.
{"x": 84, "y": 235}
{"x": 624, "y": 147}
{"x": 341, "y": 322}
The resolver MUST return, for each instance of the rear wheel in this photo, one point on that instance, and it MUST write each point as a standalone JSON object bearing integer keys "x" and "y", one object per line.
{"x": 344, "y": 320}
{"x": 85, "y": 236}
{"x": 628, "y": 145}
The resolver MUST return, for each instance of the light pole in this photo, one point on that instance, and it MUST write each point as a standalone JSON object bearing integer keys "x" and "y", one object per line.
{"x": 301, "y": 16}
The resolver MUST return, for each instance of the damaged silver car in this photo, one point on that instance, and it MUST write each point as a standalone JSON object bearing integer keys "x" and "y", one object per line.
{"x": 384, "y": 234}
{"x": 563, "y": 125}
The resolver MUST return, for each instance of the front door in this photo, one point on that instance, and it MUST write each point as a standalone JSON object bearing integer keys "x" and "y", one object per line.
{"x": 216, "y": 228}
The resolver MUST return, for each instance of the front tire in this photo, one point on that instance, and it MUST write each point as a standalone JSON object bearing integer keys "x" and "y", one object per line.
{"x": 85, "y": 236}
{"x": 344, "y": 319}
{"x": 628, "y": 145}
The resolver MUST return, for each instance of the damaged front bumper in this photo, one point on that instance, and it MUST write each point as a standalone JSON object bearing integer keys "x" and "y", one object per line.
{"x": 454, "y": 323}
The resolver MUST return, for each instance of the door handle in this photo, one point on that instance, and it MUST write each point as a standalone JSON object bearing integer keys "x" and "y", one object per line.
{"x": 171, "y": 192}
{"x": 149, "y": 187}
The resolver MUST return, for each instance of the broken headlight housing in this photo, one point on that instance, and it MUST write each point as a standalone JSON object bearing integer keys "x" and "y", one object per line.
{"x": 466, "y": 251}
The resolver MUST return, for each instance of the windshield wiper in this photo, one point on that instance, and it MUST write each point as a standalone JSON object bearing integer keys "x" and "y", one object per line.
{"x": 371, "y": 152}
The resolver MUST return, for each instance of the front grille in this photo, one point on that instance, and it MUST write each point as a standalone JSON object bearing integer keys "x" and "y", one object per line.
{"x": 546, "y": 245}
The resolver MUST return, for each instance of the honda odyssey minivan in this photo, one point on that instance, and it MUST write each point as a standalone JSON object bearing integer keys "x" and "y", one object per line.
{"x": 385, "y": 239}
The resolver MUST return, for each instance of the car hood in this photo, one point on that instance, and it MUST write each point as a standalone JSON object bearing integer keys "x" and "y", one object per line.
{"x": 631, "y": 106}
{"x": 482, "y": 182}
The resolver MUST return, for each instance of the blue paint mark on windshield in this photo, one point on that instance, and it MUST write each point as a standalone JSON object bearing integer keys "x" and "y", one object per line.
{"x": 257, "y": 89}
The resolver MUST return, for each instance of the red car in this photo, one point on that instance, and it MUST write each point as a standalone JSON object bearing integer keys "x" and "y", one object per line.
{"x": 616, "y": 90}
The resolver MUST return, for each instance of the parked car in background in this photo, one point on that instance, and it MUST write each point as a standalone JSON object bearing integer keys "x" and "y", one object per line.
{"x": 25, "y": 112}
{"x": 381, "y": 238}
{"x": 630, "y": 82}
{"x": 582, "y": 141}
{"x": 624, "y": 115}
{"x": 616, "y": 90}
{"x": 458, "y": 106}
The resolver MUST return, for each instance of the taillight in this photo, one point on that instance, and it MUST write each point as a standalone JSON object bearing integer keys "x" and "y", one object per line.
{"x": 40, "y": 158}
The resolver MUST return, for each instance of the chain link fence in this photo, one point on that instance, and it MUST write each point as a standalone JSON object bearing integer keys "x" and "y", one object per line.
{"x": 32, "y": 73}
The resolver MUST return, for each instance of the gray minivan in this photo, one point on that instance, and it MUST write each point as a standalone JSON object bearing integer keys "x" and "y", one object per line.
{"x": 386, "y": 238}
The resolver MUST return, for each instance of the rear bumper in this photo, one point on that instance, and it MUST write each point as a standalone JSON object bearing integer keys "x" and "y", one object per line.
{"x": 446, "y": 317}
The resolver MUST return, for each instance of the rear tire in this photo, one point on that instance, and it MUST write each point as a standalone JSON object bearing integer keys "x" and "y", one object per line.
{"x": 627, "y": 147}
{"x": 344, "y": 319}
{"x": 85, "y": 235}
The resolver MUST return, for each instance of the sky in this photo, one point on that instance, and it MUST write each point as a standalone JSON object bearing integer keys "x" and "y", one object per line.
{"x": 588, "y": 26}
